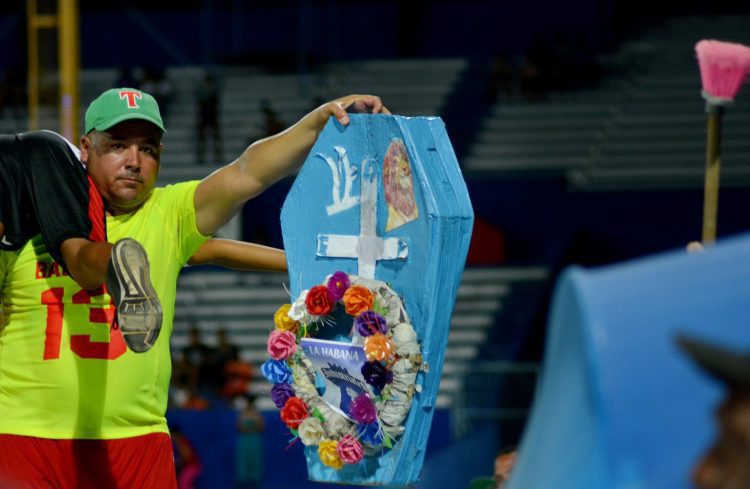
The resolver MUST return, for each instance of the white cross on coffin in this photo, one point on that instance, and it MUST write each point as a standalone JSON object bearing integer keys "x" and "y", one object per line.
{"x": 368, "y": 248}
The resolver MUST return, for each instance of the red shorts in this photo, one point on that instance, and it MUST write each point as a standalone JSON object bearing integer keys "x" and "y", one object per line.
{"x": 39, "y": 463}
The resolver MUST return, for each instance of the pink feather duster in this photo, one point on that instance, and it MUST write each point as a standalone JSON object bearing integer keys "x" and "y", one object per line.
{"x": 724, "y": 67}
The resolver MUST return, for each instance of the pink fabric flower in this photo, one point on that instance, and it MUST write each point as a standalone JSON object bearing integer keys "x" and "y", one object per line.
{"x": 349, "y": 450}
{"x": 362, "y": 409}
{"x": 337, "y": 285}
{"x": 281, "y": 344}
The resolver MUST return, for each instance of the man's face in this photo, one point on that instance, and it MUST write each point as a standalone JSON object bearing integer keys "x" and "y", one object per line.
{"x": 727, "y": 463}
{"x": 123, "y": 162}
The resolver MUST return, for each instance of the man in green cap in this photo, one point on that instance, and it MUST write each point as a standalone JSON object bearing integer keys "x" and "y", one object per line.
{"x": 71, "y": 392}
{"x": 44, "y": 190}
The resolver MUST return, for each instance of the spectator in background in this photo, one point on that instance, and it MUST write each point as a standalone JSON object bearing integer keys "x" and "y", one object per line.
{"x": 504, "y": 463}
{"x": 179, "y": 383}
{"x": 221, "y": 356}
{"x": 127, "y": 78}
{"x": 249, "y": 455}
{"x": 237, "y": 383}
{"x": 156, "y": 83}
{"x": 726, "y": 465}
{"x": 186, "y": 460}
{"x": 270, "y": 124}
{"x": 195, "y": 400}
{"x": 501, "y": 81}
{"x": 225, "y": 351}
{"x": 196, "y": 358}
{"x": 207, "y": 97}
{"x": 534, "y": 72}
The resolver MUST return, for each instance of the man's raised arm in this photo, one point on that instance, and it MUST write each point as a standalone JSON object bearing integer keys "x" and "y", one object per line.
{"x": 221, "y": 194}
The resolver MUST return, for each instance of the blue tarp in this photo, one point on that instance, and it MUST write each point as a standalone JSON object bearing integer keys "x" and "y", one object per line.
{"x": 618, "y": 404}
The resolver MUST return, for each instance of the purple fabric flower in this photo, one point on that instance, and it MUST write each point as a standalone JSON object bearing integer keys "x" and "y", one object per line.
{"x": 370, "y": 322}
{"x": 362, "y": 409}
{"x": 276, "y": 371}
{"x": 280, "y": 393}
{"x": 376, "y": 375}
{"x": 337, "y": 285}
{"x": 370, "y": 434}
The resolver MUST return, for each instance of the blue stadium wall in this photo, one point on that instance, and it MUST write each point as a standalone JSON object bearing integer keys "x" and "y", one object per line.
{"x": 214, "y": 436}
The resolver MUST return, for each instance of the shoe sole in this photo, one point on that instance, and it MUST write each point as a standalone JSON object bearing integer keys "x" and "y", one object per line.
{"x": 139, "y": 311}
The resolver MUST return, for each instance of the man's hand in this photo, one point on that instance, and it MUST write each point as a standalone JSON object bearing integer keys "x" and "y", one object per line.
{"x": 360, "y": 104}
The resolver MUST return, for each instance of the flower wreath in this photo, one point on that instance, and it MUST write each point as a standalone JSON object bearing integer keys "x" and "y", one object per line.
{"x": 393, "y": 361}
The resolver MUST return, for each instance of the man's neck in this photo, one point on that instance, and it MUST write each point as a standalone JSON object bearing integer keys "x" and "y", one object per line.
{"x": 116, "y": 211}
{"x": 113, "y": 210}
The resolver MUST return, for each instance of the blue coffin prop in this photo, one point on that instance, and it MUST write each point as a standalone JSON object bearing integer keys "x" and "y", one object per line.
{"x": 346, "y": 211}
{"x": 618, "y": 404}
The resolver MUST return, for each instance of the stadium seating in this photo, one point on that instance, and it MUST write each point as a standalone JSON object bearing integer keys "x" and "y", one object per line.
{"x": 410, "y": 87}
{"x": 642, "y": 127}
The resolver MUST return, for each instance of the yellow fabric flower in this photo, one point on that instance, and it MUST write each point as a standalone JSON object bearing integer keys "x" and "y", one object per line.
{"x": 328, "y": 454}
{"x": 283, "y": 321}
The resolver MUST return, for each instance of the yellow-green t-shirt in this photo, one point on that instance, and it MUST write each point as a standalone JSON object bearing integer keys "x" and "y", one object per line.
{"x": 63, "y": 372}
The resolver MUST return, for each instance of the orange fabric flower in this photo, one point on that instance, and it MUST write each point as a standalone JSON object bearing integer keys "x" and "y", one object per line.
{"x": 378, "y": 347}
{"x": 294, "y": 412}
{"x": 357, "y": 299}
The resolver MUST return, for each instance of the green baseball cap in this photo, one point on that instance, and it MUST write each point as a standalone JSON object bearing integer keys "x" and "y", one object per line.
{"x": 122, "y": 104}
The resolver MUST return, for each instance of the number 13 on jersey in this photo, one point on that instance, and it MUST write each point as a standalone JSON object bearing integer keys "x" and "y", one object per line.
{"x": 81, "y": 344}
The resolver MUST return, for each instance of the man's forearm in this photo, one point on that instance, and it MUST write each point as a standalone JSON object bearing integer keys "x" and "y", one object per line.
{"x": 263, "y": 163}
{"x": 239, "y": 255}
{"x": 275, "y": 157}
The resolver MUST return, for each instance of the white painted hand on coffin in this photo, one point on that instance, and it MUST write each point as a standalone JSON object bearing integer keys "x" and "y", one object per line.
{"x": 342, "y": 166}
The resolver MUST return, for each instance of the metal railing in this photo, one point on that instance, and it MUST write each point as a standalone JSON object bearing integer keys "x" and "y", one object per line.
{"x": 496, "y": 391}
